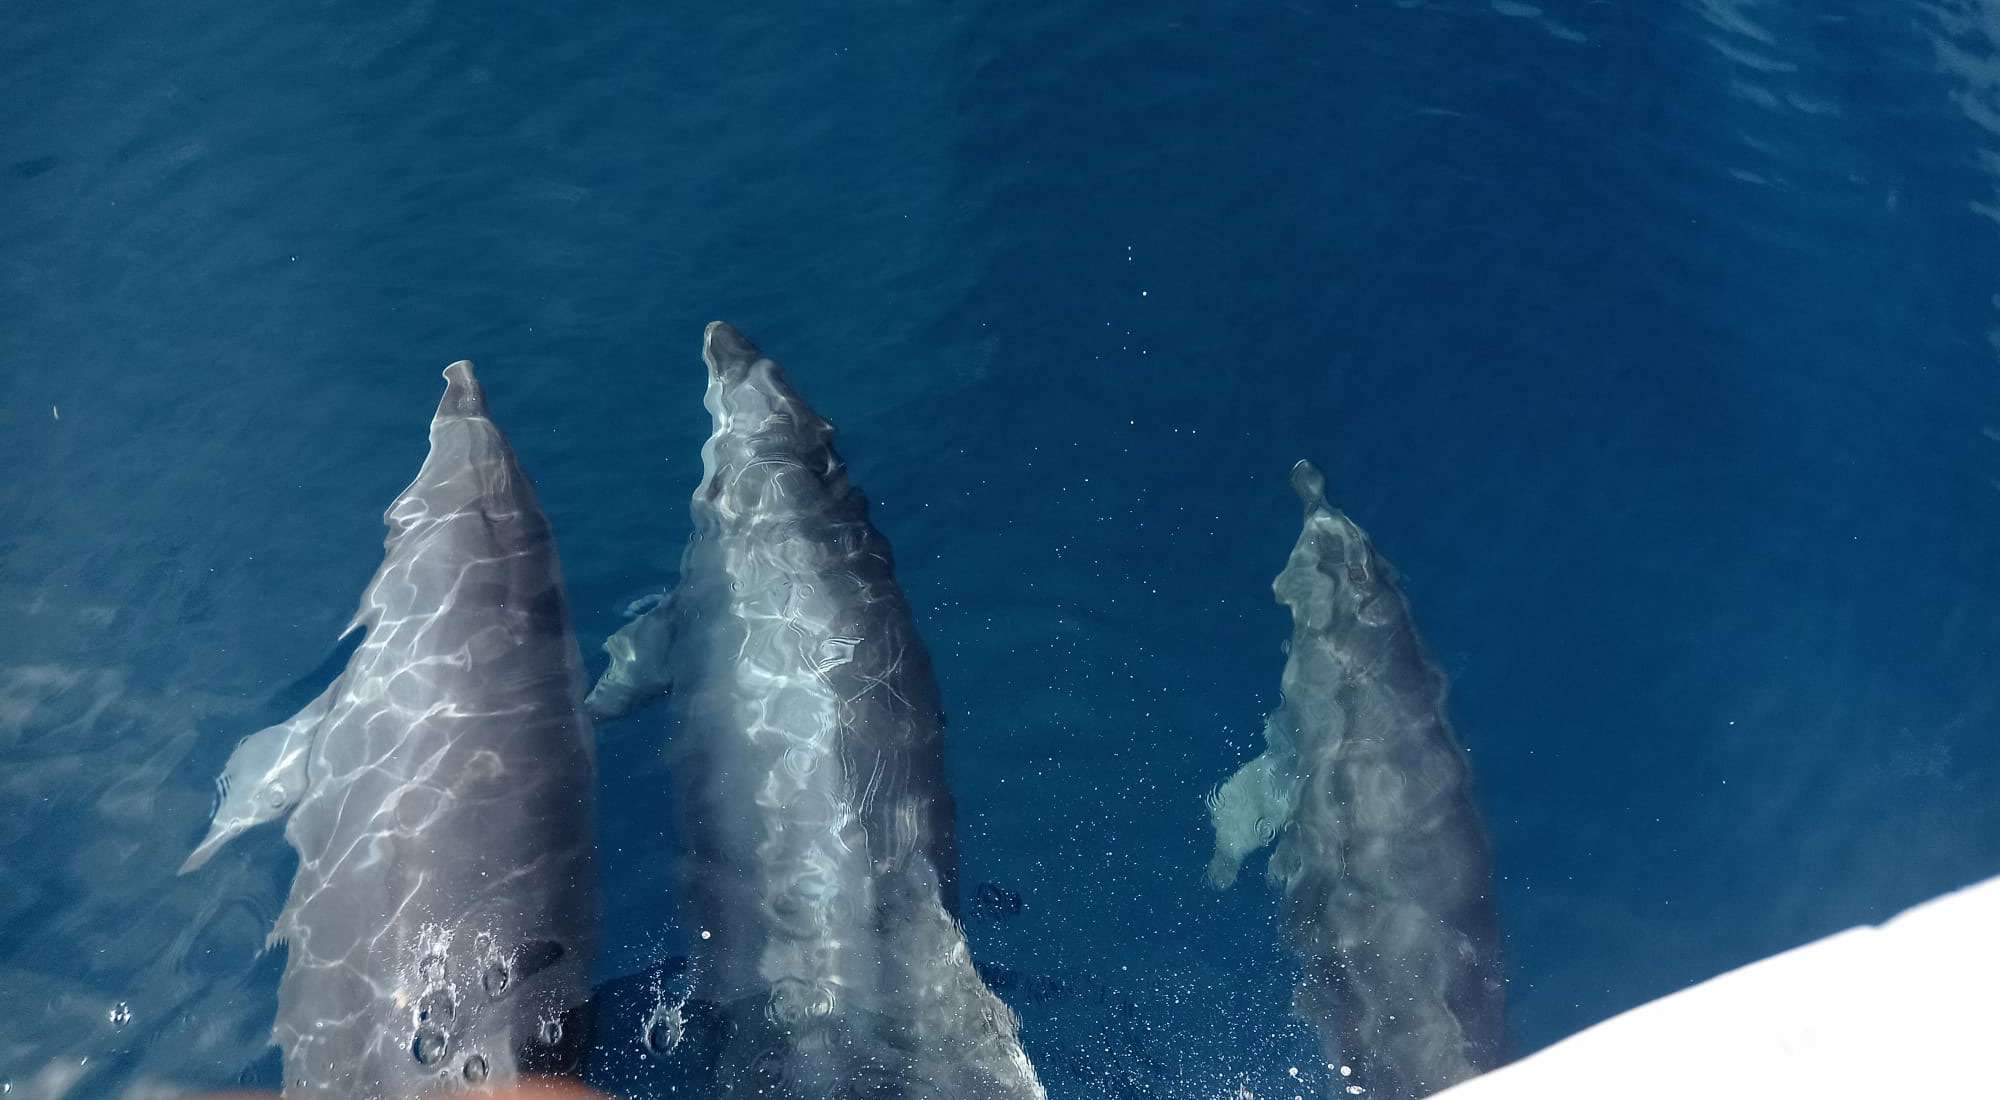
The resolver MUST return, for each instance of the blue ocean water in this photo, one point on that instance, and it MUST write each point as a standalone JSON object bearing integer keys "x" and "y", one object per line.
{"x": 1657, "y": 344}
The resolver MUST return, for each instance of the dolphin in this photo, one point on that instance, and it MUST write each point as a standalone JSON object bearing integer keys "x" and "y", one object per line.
{"x": 1381, "y": 854}
{"x": 807, "y": 759}
{"x": 443, "y": 918}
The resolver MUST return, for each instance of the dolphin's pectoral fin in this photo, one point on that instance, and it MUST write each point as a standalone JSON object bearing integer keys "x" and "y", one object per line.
{"x": 1247, "y": 812}
{"x": 638, "y": 673}
{"x": 265, "y": 777}
{"x": 648, "y": 602}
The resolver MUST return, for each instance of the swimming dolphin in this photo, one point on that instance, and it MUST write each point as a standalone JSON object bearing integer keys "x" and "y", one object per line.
{"x": 809, "y": 777}
{"x": 444, "y": 914}
{"x": 1381, "y": 853}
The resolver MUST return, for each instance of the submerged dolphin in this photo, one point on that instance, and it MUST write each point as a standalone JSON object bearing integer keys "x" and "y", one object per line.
{"x": 1380, "y": 852}
{"x": 444, "y": 913}
{"x": 809, "y": 778}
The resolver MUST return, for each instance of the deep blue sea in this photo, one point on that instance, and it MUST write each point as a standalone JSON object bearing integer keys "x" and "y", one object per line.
{"x": 1658, "y": 344}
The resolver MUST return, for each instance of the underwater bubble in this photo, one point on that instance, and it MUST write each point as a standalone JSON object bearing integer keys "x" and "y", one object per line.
{"x": 792, "y": 1001}
{"x": 475, "y": 1069}
{"x": 820, "y": 1002}
{"x": 121, "y": 1014}
{"x": 551, "y": 1031}
{"x": 428, "y": 1047}
{"x": 436, "y": 1007}
{"x": 496, "y": 978}
{"x": 431, "y": 969}
{"x": 800, "y": 763}
{"x": 665, "y": 1029}
{"x": 768, "y": 1072}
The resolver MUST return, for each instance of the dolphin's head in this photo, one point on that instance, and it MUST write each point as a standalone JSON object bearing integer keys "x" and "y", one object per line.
{"x": 463, "y": 396}
{"x": 747, "y": 391}
{"x": 264, "y": 778}
{"x": 728, "y": 353}
{"x": 1334, "y": 571}
{"x": 752, "y": 390}
{"x": 761, "y": 425}
{"x": 470, "y": 468}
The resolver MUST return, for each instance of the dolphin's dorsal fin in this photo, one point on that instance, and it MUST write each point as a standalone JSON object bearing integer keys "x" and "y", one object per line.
{"x": 639, "y": 672}
{"x": 265, "y": 777}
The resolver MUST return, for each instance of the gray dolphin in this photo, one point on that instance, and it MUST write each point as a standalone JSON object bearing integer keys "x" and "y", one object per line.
{"x": 444, "y": 914}
{"x": 809, "y": 776}
{"x": 1381, "y": 853}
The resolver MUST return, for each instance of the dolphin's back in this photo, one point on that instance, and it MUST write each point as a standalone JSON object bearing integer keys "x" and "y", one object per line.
{"x": 442, "y": 918}
{"x": 809, "y": 778}
{"x": 815, "y": 589}
{"x": 1381, "y": 852}
{"x": 1387, "y": 876}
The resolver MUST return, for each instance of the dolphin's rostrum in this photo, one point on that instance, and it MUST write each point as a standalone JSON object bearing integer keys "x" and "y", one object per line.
{"x": 443, "y": 916}
{"x": 819, "y": 864}
{"x": 1381, "y": 853}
